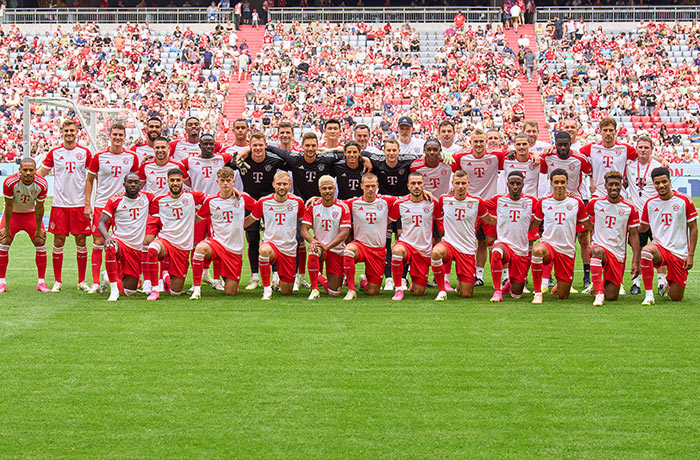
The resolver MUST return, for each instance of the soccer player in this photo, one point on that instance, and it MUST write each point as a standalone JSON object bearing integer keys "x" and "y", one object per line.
{"x": 672, "y": 218}
{"x": 154, "y": 130}
{"x": 25, "y": 193}
{"x": 612, "y": 218}
{"x": 106, "y": 175}
{"x": 514, "y": 213}
{"x": 415, "y": 244}
{"x": 362, "y": 137}
{"x": 494, "y": 143}
{"x": 524, "y": 164}
{"x": 330, "y": 221}
{"x": 70, "y": 163}
{"x": 331, "y": 135}
{"x": 227, "y": 215}
{"x": 128, "y": 211}
{"x": 348, "y": 171}
{"x": 370, "y": 218}
{"x": 436, "y": 174}
{"x": 407, "y": 143}
{"x": 241, "y": 132}
{"x": 189, "y": 147}
{"x": 446, "y": 135}
{"x": 460, "y": 213}
{"x": 280, "y": 213}
{"x": 560, "y": 214}
{"x": 175, "y": 240}
{"x": 285, "y": 137}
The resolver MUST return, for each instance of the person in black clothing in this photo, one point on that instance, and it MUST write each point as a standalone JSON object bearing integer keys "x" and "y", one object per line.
{"x": 349, "y": 171}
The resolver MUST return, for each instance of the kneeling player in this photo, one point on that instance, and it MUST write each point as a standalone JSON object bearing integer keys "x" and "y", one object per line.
{"x": 24, "y": 193}
{"x": 227, "y": 214}
{"x": 330, "y": 220}
{"x": 612, "y": 218}
{"x": 672, "y": 218}
{"x": 128, "y": 213}
{"x": 461, "y": 214}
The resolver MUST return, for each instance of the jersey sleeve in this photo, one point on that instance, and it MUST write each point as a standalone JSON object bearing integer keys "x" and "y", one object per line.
{"x": 173, "y": 145}
{"x": 482, "y": 211}
{"x": 48, "y": 161}
{"x": 645, "y": 213}
{"x": 395, "y": 212}
{"x": 490, "y": 205}
{"x": 586, "y": 167}
{"x": 185, "y": 165}
{"x": 7, "y": 190}
{"x": 631, "y": 153}
{"x": 308, "y": 216}
{"x": 44, "y": 190}
{"x": 415, "y": 165}
{"x": 691, "y": 213}
{"x": 248, "y": 202}
{"x": 437, "y": 211}
{"x": 199, "y": 197}
{"x": 539, "y": 215}
{"x": 257, "y": 212}
{"x": 590, "y": 208}
{"x": 543, "y": 165}
{"x": 582, "y": 215}
{"x": 456, "y": 164}
{"x": 135, "y": 163}
{"x": 586, "y": 150}
{"x": 634, "y": 217}
{"x": 142, "y": 171}
{"x": 111, "y": 206}
{"x": 94, "y": 165}
{"x": 301, "y": 209}
{"x": 345, "y": 220}
{"x": 154, "y": 207}
{"x": 204, "y": 210}
{"x": 181, "y": 166}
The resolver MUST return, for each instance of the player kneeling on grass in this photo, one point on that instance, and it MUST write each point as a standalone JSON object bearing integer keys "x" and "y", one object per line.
{"x": 461, "y": 214}
{"x": 227, "y": 213}
{"x": 612, "y": 218}
{"x": 24, "y": 193}
{"x": 672, "y": 218}
{"x": 330, "y": 220}
{"x": 280, "y": 213}
{"x": 128, "y": 212}
{"x": 560, "y": 214}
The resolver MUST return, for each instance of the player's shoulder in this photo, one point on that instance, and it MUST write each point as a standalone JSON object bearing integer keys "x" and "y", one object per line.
{"x": 41, "y": 181}
{"x": 12, "y": 180}
{"x": 417, "y": 164}
{"x": 342, "y": 205}
{"x": 295, "y": 199}
{"x": 683, "y": 197}
{"x": 177, "y": 164}
{"x": 148, "y": 195}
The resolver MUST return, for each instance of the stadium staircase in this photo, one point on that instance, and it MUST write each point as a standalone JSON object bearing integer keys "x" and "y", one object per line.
{"x": 235, "y": 99}
{"x": 534, "y": 107}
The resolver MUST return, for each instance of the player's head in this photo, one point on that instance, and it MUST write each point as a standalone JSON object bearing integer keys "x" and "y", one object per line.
{"x": 309, "y": 142}
{"x": 362, "y": 135}
{"x": 326, "y": 186}
{"x": 240, "y": 131}
{"x": 460, "y": 184}
{"x": 662, "y": 181}
{"x": 352, "y": 151}
{"x": 281, "y": 183}
{"x": 521, "y": 144}
{"x": 613, "y": 184}
{"x": 285, "y": 132}
{"x": 207, "y": 144}
{"x": 132, "y": 185}
{"x": 27, "y": 170}
{"x": 192, "y": 128}
{"x": 117, "y": 134}
{"x": 331, "y": 129}
{"x": 570, "y": 125}
{"x": 405, "y": 127}
{"x": 446, "y": 132}
{"x": 559, "y": 179}
{"x": 645, "y": 147}
{"x": 515, "y": 183}
{"x": 562, "y": 142}
{"x": 154, "y": 128}
{"x": 391, "y": 150}
{"x": 369, "y": 186}
{"x": 176, "y": 178}
{"x": 161, "y": 148}
{"x": 608, "y": 131}
{"x": 416, "y": 184}
{"x": 224, "y": 177}
{"x": 478, "y": 140}
{"x": 258, "y": 143}
{"x": 432, "y": 151}
{"x": 493, "y": 139}
{"x": 69, "y": 129}
{"x": 532, "y": 129}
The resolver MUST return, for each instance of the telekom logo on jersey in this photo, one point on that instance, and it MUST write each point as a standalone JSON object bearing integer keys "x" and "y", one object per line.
{"x": 228, "y": 216}
{"x": 206, "y": 171}
{"x": 371, "y": 217}
{"x": 514, "y": 215}
{"x": 326, "y": 224}
{"x": 610, "y": 221}
{"x": 134, "y": 213}
{"x": 434, "y": 181}
{"x": 160, "y": 181}
{"x": 559, "y": 217}
{"x": 280, "y": 218}
{"x": 608, "y": 161}
{"x": 70, "y": 166}
{"x": 479, "y": 171}
{"x": 116, "y": 170}
{"x": 666, "y": 218}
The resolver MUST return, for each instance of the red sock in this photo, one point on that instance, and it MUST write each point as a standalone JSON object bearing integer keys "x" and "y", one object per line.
{"x": 349, "y": 268}
{"x": 537, "y": 273}
{"x": 197, "y": 268}
{"x": 4, "y": 259}
{"x": 81, "y": 257}
{"x": 144, "y": 261}
{"x": 363, "y": 284}
{"x": 216, "y": 265}
{"x": 597, "y": 275}
{"x": 265, "y": 270}
{"x": 153, "y": 265}
{"x": 647, "y": 266}
{"x": 314, "y": 267}
{"x": 438, "y": 273}
{"x": 165, "y": 265}
{"x": 96, "y": 261}
{"x": 496, "y": 269}
{"x": 301, "y": 253}
{"x": 40, "y": 259}
{"x": 547, "y": 270}
{"x": 57, "y": 260}
{"x": 111, "y": 265}
{"x": 397, "y": 269}
{"x": 324, "y": 283}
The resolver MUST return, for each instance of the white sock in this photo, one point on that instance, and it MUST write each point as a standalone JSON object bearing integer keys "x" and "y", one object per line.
{"x": 161, "y": 285}
{"x": 113, "y": 287}
{"x": 254, "y": 277}
{"x": 267, "y": 289}
{"x": 636, "y": 281}
{"x": 650, "y": 292}
{"x": 41, "y": 280}
{"x": 506, "y": 274}
{"x": 480, "y": 272}
{"x": 196, "y": 289}
{"x": 146, "y": 284}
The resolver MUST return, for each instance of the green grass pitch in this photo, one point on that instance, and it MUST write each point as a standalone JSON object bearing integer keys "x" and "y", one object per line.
{"x": 240, "y": 378}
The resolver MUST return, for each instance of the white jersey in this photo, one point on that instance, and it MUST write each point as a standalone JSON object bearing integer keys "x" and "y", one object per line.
{"x": 227, "y": 216}
{"x": 668, "y": 220}
{"x": 639, "y": 180}
{"x": 605, "y": 159}
{"x": 179, "y": 150}
{"x": 416, "y": 222}
{"x": 560, "y": 219}
{"x": 482, "y": 172}
{"x": 370, "y": 219}
{"x": 540, "y": 147}
{"x": 143, "y": 152}
{"x": 233, "y": 149}
{"x": 280, "y": 218}
{"x": 129, "y": 216}
{"x": 25, "y": 197}
{"x": 110, "y": 170}
{"x": 327, "y": 221}
{"x": 454, "y": 148}
{"x": 437, "y": 179}
{"x": 156, "y": 176}
{"x": 69, "y": 172}
{"x": 459, "y": 220}
{"x": 415, "y": 147}
{"x": 177, "y": 217}
{"x": 513, "y": 218}
{"x": 202, "y": 172}
{"x": 576, "y": 167}
{"x": 611, "y": 221}
{"x": 530, "y": 170}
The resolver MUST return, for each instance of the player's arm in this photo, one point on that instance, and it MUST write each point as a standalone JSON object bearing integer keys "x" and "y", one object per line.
{"x": 40, "y": 233}
{"x": 588, "y": 225}
{"x": 343, "y": 233}
{"x": 636, "y": 251}
{"x": 88, "y": 194}
{"x": 536, "y": 221}
{"x": 43, "y": 171}
{"x": 102, "y": 228}
{"x": 9, "y": 206}
{"x": 692, "y": 243}
{"x": 249, "y": 220}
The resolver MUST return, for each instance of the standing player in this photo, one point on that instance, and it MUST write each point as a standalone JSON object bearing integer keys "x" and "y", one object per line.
{"x": 446, "y": 135}
{"x": 436, "y": 174}
{"x": 106, "y": 175}
{"x": 672, "y": 218}
{"x": 612, "y": 218}
{"x": 128, "y": 211}
{"x": 407, "y": 143}
{"x": 416, "y": 241}
{"x": 175, "y": 240}
{"x": 362, "y": 137}
{"x": 461, "y": 213}
{"x": 70, "y": 163}
{"x": 285, "y": 137}
{"x": 522, "y": 163}
{"x": 560, "y": 214}
{"x": 348, "y": 171}
{"x": 154, "y": 130}
{"x": 227, "y": 215}
{"x": 494, "y": 143}
{"x": 280, "y": 212}
{"x": 514, "y": 213}
{"x": 240, "y": 137}
{"x": 331, "y": 135}
{"x": 25, "y": 193}
{"x": 189, "y": 147}
{"x": 330, "y": 221}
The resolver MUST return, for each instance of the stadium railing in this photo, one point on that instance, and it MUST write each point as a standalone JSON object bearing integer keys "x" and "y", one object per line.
{"x": 383, "y": 15}
{"x": 620, "y": 14}
{"x": 109, "y": 15}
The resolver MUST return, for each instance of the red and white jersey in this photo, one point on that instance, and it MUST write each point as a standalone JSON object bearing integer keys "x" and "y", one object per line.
{"x": 233, "y": 149}
{"x": 69, "y": 172}
{"x": 560, "y": 219}
{"x": 177, "y": 217}
{"x": 459, "y": 221}
{"x": 437, "y": 179}
{"x": 327, "y": 222}
{"x": 109, "y": 170}
{"x": 156, "y": 176}
{"x": 576, "y": 166}
{"x": 605, "y": 159}
{"x": 529, "y": 170}
{"x": 370, "y": 219}
{"x": 129, "y": 216}
{"x": 482, "y": 172}
{"x": 668, "y": 220}
{"x": 280, "y": 219}
{"x": 417, "y": 222}
{"x": 24, "y": 197}
{"x": 143, "y": 152}
{"x": 513, "y": 218}
{"x": 227, "y": 216}
{"x": 179, "y": 150}
{"x": 202, "y": 172}
{"x": 611, "y": 222}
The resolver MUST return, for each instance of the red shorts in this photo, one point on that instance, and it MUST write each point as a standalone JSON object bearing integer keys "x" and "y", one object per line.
{"x": 69, "y": 221}
{"x": 613, "y": 270}
{"x": 374, "y": 259}
{"x": 465, "y": 264}
{"x": 153, "y": 225}
{"x": 201, "y": 230}
{"x": 21, "y": 221}
{"x": 96, "y": 214}
{"x": 286, "y": 265}
{"x": 179, "y": 259}
{"x": 563, "y": 265}
{"x": 676, "y": 272}
{"x": 534, "y": 234}
{"x": 518, "y": 266}
{"x": 130, "y": 260}
{"x": 420, "y": 265}
{"x": 231, "y": 263}
{"x": 334, "y": 263}
{"x": 488, "y": 229}
{"x": 580, "y": 228}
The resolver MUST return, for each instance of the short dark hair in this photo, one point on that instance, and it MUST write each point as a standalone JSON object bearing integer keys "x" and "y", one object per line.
{"x": 613, "y": 174}
{"x": 414, "y": 174}
{"x": 352, "y": 144}
{"x": 154, "y": 119}
{"x": 516, "y": 174}
{"x": 446, "y": 123}
{"x": 362, "y": 126}
{"x": 559, "y": 172}
{"x": 563, "y": 135}
{"x": 331, "y": 121}
{"x": 175, "y": 171}
{"x": 432, "y": 140}
{"x": 660, "y": 171}
{"x": 161, "y": 139}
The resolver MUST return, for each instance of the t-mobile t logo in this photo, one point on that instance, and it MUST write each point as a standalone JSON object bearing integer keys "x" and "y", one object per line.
{"x": 610, "y": 221}
{"x": 116, "y": 171}
{"x": 559, "y": 217}
{"x": 70, "y": 167}
{"x": 371, "y": 217}
{"x": 514, "y": 215}
{"x": 257, "y": 177}
{"x": 479, "y": 171}
{"x": 177, "y": 213}
{"x": 280, "y": 218}
{"x": 667, "y": 218}
{"x": 134, "y": 213}
{"x": 310, "y": 176}
{"x": 206, "y": 171}
{"x": 354, "y": 184}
